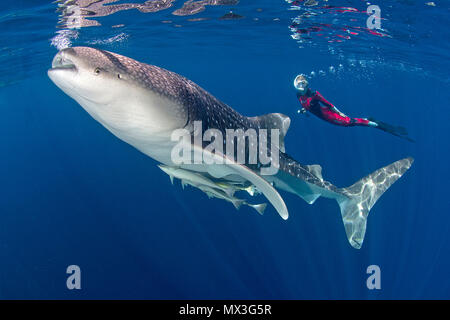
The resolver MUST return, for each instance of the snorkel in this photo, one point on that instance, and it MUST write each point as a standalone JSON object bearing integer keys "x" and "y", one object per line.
{"x": 301, "y": 84}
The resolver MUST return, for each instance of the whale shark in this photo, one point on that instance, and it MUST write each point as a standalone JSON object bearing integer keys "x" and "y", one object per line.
{"x": 144, "y": 105}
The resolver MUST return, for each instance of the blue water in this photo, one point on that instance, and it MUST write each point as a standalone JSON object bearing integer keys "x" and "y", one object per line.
{"x": 72, "y": 193}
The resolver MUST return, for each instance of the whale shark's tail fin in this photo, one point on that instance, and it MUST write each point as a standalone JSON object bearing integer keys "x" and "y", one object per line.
{"x": 360, "y": 198}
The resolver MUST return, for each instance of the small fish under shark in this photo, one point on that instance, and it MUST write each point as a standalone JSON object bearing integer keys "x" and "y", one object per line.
{"x": 220, "y": 190}
{"x": 143, "y": 105}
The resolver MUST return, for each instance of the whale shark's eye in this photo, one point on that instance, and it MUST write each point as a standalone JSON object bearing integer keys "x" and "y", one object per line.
{"x": 119, "y": 76}
{"x": 97, "y": 71}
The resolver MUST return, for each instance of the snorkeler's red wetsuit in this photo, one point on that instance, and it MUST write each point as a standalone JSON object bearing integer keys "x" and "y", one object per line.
{"x": 315, "y": 103}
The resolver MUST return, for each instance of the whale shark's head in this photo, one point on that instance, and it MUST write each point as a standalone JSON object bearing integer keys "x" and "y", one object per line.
{"x": 130, "y": 98}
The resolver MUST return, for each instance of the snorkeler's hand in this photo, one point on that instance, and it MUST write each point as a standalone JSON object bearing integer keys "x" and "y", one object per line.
{"x": 302, "y": 110}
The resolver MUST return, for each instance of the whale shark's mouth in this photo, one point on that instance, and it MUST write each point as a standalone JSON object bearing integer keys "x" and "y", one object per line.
{"x": 63, "y": 63}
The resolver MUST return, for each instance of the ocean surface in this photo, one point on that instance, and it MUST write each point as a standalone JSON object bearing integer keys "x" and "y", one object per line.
{"x": 73, "y": 194}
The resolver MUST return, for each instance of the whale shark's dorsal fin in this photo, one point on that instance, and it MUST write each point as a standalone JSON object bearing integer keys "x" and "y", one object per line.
{"x": 316, "y": 170}
{"x": 274, "y": 121}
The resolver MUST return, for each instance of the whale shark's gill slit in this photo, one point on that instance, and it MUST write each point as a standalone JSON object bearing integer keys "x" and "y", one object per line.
{"x": 187, "y": 120}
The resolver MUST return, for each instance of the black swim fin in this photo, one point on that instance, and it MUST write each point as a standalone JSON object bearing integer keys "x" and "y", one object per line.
{"x": 398, "y": 131}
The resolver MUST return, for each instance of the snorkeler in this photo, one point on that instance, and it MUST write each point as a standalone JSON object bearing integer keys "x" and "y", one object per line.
{"x": 315, "y": 103}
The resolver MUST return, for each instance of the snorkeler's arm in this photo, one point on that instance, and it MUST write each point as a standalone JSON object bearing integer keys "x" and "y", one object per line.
{"x": 328, "y": 104}
{"x": 318, "y": 97}
{"x": 303, "y": 101}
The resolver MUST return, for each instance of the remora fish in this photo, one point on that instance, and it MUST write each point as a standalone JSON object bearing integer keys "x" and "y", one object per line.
{"x": 195, "y": 179}
{"x": 212, "y": 189}
{"x": 143, "y": 104}
{"x": 215, "y": 193}
{"x": 199, "y": 179}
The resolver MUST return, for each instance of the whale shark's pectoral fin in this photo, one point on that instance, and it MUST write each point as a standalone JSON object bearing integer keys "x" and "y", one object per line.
{"x": 219, "y": 166}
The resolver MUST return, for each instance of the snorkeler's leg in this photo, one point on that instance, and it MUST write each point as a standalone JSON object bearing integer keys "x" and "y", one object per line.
{"x": 362, "y": 122}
